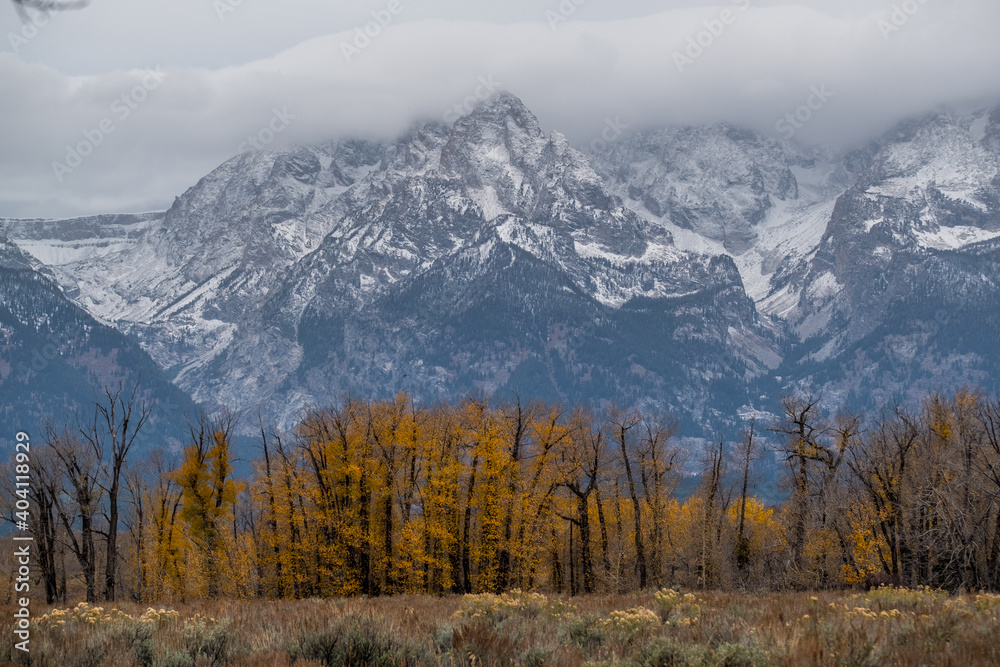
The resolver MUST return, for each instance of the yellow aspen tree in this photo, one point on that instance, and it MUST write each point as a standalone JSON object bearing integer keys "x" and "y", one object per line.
{"x": 549, "y": 433}
{"x": 167, "y": 579}
{"x": 390, "y": 433}
{"x": 487, "y": 436}
{"x": 208, "y": 495}
{"x": 439, "y": 502}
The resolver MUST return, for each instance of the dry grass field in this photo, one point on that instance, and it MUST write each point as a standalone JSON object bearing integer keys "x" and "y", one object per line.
{"x": 882, "y": 627}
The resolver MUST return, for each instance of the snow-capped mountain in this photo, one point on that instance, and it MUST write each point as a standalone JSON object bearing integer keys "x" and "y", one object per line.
{"x": 490, "y": 257}
{"x": 696, "y": 270}
{"x": 722, "y": 190}
{"x": 903, "y": 293}
{"x": 874, "y": 264}
{"x": 181, "y": 281}
{"x": 56, "y": 359}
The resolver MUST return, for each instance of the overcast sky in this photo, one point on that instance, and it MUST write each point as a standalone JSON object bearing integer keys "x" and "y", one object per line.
{"x": 232, "y": 69}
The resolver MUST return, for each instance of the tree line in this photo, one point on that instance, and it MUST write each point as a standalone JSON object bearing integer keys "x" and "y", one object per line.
{"x": 390, "y": 496}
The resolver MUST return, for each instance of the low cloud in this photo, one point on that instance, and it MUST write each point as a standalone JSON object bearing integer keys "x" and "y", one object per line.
{"x": 752, "y": 66}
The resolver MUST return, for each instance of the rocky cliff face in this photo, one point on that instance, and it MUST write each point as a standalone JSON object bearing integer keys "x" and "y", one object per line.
{"x": 901, "y": 295}
{"x": 56, "y": 360}
{"x": 490, "y": 257}
{"x": 719, "y": 182}
{"x": 696, "y": 270}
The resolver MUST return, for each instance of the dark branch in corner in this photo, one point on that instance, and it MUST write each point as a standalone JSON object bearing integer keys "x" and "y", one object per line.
{"x": 48, "y": 5}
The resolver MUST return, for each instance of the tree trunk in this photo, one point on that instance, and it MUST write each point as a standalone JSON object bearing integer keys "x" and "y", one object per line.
{"x": 467, "y": 527}
{"x": 605, "y": 560}
{"x": 640, "y": 552}
{"x": 111, "y": 557}
{"x": 586, "y": 561}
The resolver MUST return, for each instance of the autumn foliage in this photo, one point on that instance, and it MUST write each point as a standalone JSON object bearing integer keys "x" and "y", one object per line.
{"x": 392, "y": 497}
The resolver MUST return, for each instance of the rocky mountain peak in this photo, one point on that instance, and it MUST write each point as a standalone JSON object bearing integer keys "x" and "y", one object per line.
{"x": 11, "y": 257}
{"x": 503, "y": 109}
{"x": 490, "y": 255}
{"x": 499, "y": 138}
{"x": 718, "y": 181}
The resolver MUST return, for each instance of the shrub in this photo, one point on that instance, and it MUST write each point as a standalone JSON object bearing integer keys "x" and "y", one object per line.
{"x": 352, "y": 640}
{"x": 143, "y": 648}
{"x": 210, "y": 639}
{"x": 985, "y": 602}
{"x": 887, "y": 598}
{"x": 443, "y": 637}
{"x": 482, "y": 641}
{"x": 584, "y": 632}
{"x": 667, "y": 652}
{"x": 677, "y": 609}
{"x": 536, "y": 657}
{"x": 498, "y": 608}
{"x": 92, "y": 654}
{"x": 739, "y": 655}
{"x": 175, "y": 659}
{"x": 626, "y": 626}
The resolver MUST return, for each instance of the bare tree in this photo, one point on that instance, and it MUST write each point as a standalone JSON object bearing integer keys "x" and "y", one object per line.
{"x": 712, "y": 490}
{"x": 582, "y": 466}
{"x": 803, "y": 428}
{"x": 81, "y": 468}
{"x": 137, "y": 486}
{"x": 657, "y": 458}
{"x": 116, "y": 423}
{"x": 884, "y": 468}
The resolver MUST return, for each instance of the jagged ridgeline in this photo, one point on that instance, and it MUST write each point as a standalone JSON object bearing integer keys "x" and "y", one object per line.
{"x": 701, "y": 271}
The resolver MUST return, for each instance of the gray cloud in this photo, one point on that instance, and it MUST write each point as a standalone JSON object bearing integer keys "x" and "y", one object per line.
{"x": 754, "y": 66}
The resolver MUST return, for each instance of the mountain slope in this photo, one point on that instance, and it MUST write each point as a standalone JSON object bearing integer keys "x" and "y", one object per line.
{"x": 490, "y": 257}
{"x": 696, "y": 270}
{"x": 57, "y": 359}
{"x": 902, "y": 295}
{"x": 181, "y": 281}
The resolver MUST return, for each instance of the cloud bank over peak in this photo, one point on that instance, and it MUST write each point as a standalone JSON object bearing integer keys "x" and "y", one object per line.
{"x": 149, "y": 133}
